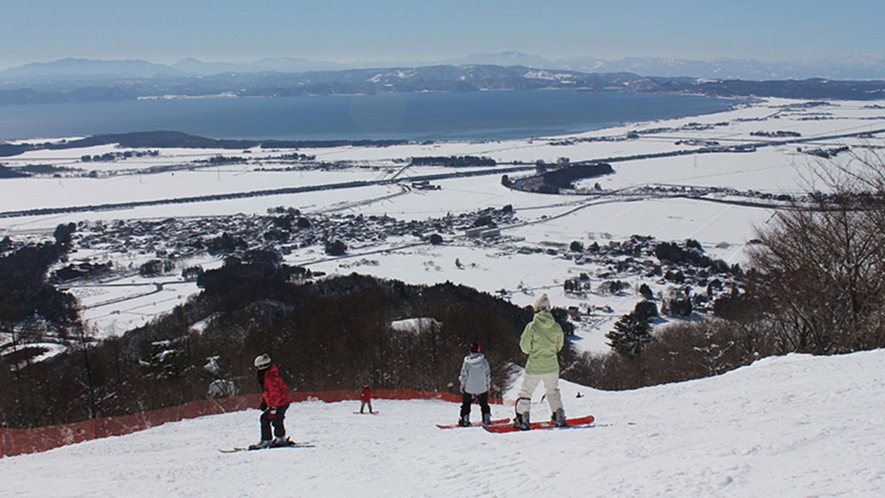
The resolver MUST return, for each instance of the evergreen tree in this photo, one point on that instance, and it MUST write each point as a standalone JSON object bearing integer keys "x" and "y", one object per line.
{"x": 630, "y": 336}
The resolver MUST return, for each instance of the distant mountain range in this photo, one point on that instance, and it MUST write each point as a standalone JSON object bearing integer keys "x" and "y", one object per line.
{"x": 87, "y": 70}
{"x": 85, "y": 80}
{"x": 842, "y": 68}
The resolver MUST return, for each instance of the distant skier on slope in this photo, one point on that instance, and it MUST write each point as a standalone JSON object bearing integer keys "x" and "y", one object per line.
{"x": 542, "y": 339}
{"x": 476, "y": 379}
{"x": 366, "y": 398}
{"x": 274, "y": 402}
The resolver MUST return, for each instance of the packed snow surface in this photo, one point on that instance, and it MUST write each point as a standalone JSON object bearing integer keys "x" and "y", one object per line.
{"x": 793, "y": 426}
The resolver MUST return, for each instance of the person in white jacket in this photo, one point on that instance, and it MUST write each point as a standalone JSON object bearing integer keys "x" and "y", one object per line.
{"x": 476, "y": 380}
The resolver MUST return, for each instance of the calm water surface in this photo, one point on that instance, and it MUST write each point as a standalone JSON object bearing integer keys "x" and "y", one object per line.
{"x": 412, "y": 116}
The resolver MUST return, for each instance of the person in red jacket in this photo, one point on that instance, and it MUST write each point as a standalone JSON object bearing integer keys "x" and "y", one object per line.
{"x": 274, "y": 402}
{"x": 366, "y": 398}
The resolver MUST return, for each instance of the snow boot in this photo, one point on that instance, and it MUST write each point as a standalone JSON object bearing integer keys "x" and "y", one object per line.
{"x": 265, "y": 443}
{"x": 521, "y": 422}
{"x": 486, "y": 419}
{"x": 464, "y": 421}
{"x": 279, "y": 441}
{"x": 558, "y": 418}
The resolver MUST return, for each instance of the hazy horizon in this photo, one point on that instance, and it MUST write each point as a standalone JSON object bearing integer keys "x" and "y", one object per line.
{"x": 503, "y": 56}
{"x": 396, "y": 31}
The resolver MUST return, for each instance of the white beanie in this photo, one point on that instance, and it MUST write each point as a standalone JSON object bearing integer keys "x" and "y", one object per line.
{"x": 262, "y": 361}
{"x": 542, "y": 303}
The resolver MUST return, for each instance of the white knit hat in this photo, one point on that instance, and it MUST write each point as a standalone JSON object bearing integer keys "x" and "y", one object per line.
{"x": 542, "y": 303}
{"x": 262, "y": 361}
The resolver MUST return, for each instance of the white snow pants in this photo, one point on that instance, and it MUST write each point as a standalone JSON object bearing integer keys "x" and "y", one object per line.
{"x": 530, "y": 382}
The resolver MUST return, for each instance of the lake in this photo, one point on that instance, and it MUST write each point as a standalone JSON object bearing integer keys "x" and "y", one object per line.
{"x": 491, "y": 115}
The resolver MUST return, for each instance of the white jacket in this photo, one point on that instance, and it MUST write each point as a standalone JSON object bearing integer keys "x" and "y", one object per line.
{"x": 476, "y": 376}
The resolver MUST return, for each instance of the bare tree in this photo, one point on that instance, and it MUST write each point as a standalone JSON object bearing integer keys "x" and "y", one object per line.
{"x": 824, "y": 261}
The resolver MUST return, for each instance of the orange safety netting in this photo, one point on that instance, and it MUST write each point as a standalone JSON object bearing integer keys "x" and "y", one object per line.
{"x": 20, "y": 441}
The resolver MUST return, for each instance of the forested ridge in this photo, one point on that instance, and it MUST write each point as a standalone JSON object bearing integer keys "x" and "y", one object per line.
{"x": 335, "y": 333}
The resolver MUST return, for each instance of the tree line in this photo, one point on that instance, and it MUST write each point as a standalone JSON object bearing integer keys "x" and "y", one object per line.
{"x": 453, "y": 161}
{"x": 334, "y": 333}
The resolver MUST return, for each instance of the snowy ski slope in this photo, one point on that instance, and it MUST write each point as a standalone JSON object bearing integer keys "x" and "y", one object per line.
{"x": 792, "y": 426}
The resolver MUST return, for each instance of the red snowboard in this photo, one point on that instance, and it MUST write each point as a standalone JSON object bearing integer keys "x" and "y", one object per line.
{"x": 474, "y": 424}
{"x": 569, "y": 423}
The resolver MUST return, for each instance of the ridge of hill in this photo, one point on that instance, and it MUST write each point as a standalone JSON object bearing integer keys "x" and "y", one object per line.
{"x": 18, "y": 88}
{"x": 870, "y": 66}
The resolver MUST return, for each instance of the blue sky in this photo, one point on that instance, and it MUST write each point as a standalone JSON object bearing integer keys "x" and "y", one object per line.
{"x": 166, "y": 31}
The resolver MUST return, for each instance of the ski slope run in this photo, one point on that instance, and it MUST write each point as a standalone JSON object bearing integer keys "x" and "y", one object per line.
{"x": 791, "y": 426}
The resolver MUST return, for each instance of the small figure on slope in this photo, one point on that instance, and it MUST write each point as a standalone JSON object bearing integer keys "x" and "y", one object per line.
{"x": 274, "y": 402}
{"x": 366, "y": 398}
{"x": 542, "y": 340}
{"x": 476, "y": 379}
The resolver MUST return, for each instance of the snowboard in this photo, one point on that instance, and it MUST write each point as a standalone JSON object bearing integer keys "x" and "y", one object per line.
{"x": 570, "y": 423}
{"x": 366, "y": 413}
{"x": 472, "y": 424}
{"x": 291, "y": 444}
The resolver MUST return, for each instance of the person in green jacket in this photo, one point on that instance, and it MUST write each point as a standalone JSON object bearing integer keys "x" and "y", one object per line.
{"x": 542, "y": 340}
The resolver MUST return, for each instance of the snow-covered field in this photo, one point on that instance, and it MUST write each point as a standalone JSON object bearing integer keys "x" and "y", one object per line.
{"x": 794, "y": 426}
{"x": 791, "y": 426}
{"x": 723, "y": 229}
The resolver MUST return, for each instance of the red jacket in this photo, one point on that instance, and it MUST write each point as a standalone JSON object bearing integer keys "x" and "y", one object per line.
{"x": 366, "y": 394}
{"x": 275, "y": 391}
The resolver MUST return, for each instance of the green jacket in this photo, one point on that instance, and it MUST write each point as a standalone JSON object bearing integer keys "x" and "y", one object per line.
{"x": 541, "y": 340}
